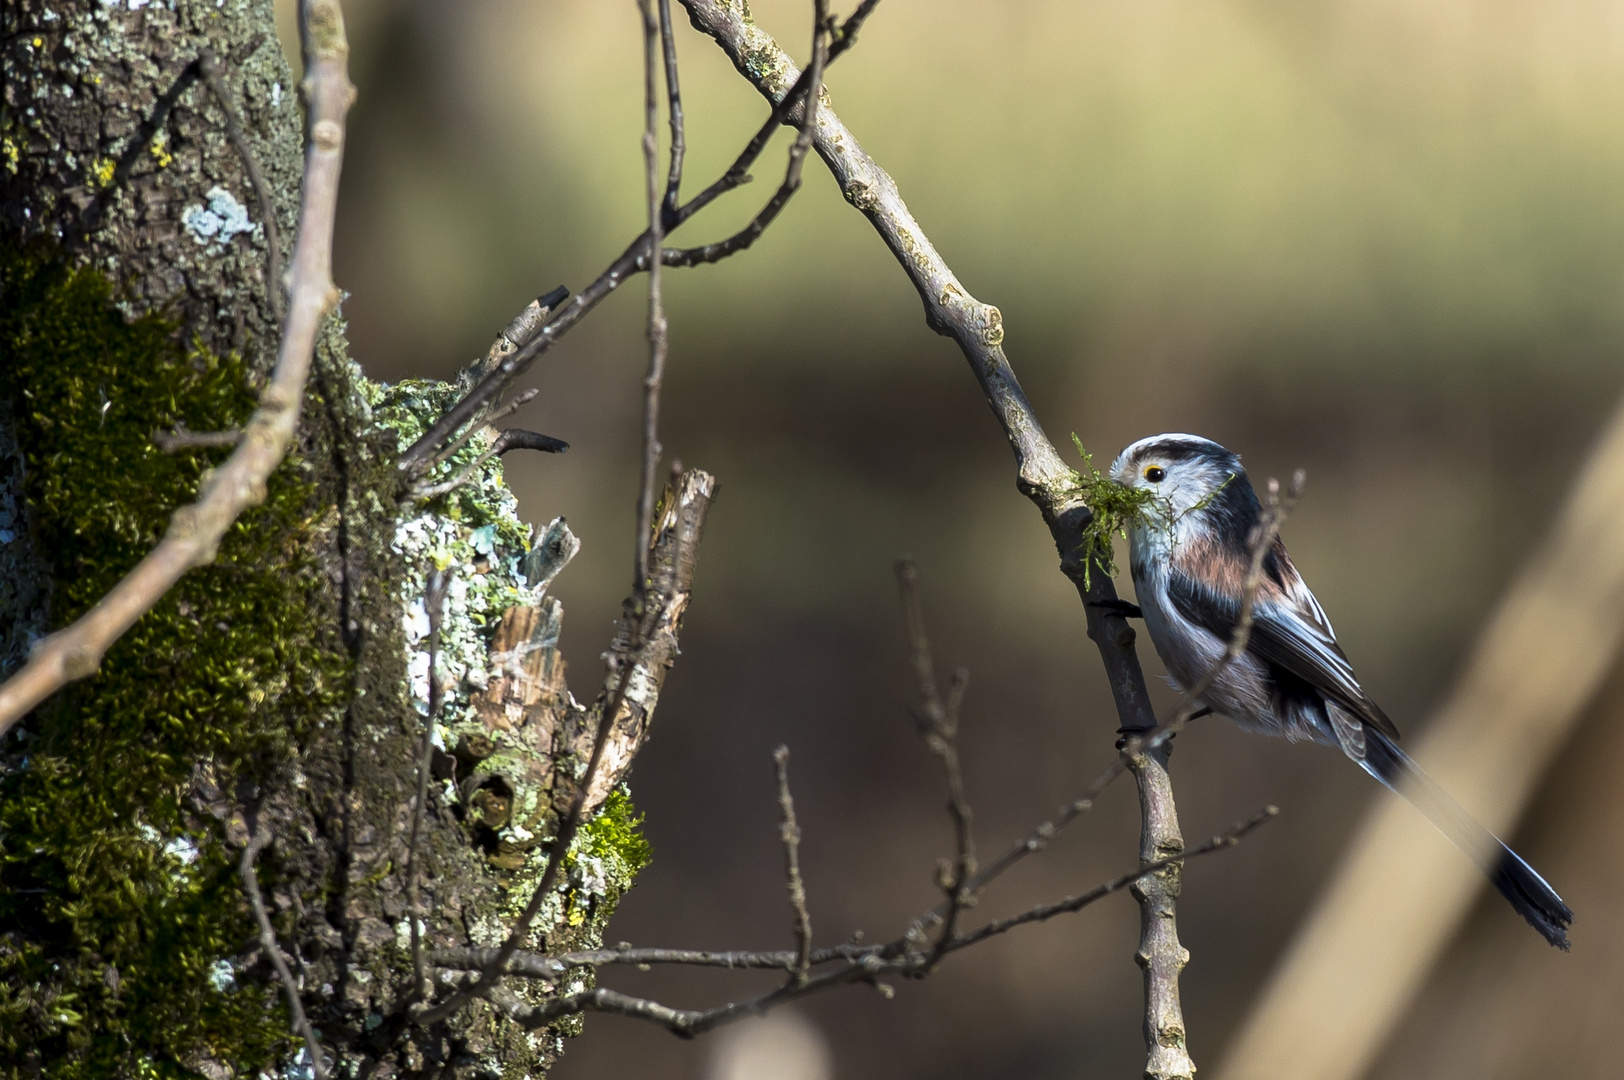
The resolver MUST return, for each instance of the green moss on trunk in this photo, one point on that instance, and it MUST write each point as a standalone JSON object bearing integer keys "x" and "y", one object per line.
{"x": 118, "y": 896}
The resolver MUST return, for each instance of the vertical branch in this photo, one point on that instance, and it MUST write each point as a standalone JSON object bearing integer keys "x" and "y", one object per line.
{"x": 656, "y": 308}
{"x": 673, "y": 97}
{"x": 273, "y": 952}
{"x": 939, "y": 723}
{"x": 434, "y": 602}
{"x": 1160, "y": 954}
{"x": 790, "y": 833}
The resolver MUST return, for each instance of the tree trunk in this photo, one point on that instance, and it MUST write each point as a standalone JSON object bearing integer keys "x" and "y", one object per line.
{"x": 285, "y": 687}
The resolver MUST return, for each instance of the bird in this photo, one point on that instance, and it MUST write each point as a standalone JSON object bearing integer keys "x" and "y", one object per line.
{"x": 1189, "y": 557}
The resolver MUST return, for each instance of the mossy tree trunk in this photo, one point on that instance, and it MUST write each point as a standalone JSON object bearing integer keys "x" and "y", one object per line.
{"x": 282, "y": 688}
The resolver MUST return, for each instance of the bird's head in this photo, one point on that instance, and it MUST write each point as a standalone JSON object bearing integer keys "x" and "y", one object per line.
{"x": 1185, "y": 474}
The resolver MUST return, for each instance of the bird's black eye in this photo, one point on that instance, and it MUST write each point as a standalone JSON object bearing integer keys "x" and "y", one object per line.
{"x": 1155, "y": 474}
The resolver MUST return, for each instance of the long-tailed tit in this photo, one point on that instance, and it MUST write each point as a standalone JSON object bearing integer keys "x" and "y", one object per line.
{"x": 1189, "y": 557}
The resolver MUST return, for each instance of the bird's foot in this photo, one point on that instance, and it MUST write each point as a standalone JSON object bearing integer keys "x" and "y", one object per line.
{"x": 1126, "y": 609}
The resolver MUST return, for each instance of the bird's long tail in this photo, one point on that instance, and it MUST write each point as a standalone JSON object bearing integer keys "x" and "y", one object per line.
{"x": 1524, "y": 889}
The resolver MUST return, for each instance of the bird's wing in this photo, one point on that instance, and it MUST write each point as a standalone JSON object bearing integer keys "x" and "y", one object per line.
{"x": 1284, "y": 637}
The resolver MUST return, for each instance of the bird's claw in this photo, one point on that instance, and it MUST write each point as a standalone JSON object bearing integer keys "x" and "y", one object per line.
{"x": 1126, "y": 609}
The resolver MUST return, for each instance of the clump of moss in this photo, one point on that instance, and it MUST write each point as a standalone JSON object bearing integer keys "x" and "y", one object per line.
{"x": 118, "y": 898}
{"x": 1115, "y": 508}
{"x": 615, "y": 834}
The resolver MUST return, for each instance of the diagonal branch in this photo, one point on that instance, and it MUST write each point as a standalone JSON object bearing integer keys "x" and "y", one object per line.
{"x": 195, "y": 531}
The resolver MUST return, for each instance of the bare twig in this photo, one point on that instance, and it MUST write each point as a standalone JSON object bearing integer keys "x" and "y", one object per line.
{"x": 195, "y": 531}
{"x": 855, "y": 964}
{"x": 273, "y": 952}
{"x": 673, "y": 97}
{"x": 939, "y": 724}
{"x": 209, "y": 65}
{"x": 518, "y": 402}
{"x": 657, "y": 329}
{"x": 789, "y": 832}
{"x": 553, "y": 967}
{"x": 181, "y": 439}
{"x": 508, "y": 439}
{"x": 813, "y": 80}
{"x": 434, "y": 604}
{"x": 1076, "y": 903}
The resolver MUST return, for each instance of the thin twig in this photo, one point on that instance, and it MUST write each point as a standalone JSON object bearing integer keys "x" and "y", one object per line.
{"x": 657, "y": 330}
{"x": 939, "y": 723}
{"x": 518, "y": 402}
{"x": 181, "y": 439}
{"x": 721, "y": 249}
{"x": 434, "y": 605}
{"x": 195, "y": 531}
{"x": 209, "y": 65}
{"x": 789, "y": 833}
{"x": 1070, "y": 904}
{"x": 865, "y": 964}
{"x": 673, "y": 97}
{"x": 273, "y": 952}
{"x": 553, "y": 967}
{"x": 508, "y": 439}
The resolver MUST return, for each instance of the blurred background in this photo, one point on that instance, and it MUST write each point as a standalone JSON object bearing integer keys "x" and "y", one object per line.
{"x": 1380, "y": 240}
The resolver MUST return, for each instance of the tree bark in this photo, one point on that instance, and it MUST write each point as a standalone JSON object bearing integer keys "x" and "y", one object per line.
{"x": 283, "y": 690}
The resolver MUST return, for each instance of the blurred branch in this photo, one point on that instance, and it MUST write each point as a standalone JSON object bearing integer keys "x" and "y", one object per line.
{"x": 939, "y": 724}
{"x": 195, "y": 531}
{"x": 181, "y": 439}
{"x": 1340, "y": 990}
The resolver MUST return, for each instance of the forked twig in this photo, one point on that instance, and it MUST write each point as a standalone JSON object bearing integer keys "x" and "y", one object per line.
{"x": 273, "y": 952}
